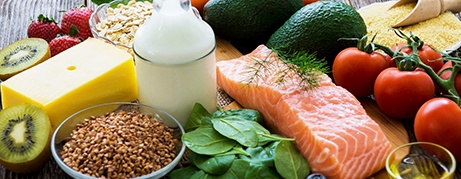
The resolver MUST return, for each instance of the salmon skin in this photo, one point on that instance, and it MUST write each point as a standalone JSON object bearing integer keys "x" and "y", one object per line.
{"x": 331, "y": 128}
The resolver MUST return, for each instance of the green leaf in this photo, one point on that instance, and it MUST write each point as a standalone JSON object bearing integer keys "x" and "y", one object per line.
{"x": 289, "y": 162}
{"x": 198, "y": 118}
{"x": 203, "y": 175}
{"x": 216, "y": 165}
{"x": 99, "y": 2}
{"x": 259, "y": 155}
{"x": 237, "y": 129}
{"x": 266, "y": 138}
{"x": 184, "y": 172}
{"x": 247, "y": 114}
{"x": 243, "y": 169}
{"x": 236, "y": 150}
{"x": 260, "y": 129}
{"x": 207, "y": 141}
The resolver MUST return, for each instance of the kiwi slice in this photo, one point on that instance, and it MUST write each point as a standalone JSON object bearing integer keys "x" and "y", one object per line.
{"x": 25, "y": 138}
{"x": 21, "y": 55}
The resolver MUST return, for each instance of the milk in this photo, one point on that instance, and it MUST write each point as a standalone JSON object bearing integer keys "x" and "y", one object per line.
{"x": 175, "y": 60}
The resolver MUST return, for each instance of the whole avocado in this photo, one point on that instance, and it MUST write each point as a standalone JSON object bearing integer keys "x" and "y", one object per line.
{"x": 317, "y": 28}
{"x": 248, "y": 22}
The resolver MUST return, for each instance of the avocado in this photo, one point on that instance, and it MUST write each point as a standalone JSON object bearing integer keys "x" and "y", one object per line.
{"x": 317, "y": 28}
{"x": 248, "y": 22}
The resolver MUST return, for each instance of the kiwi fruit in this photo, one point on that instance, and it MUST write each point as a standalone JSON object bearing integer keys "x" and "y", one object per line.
{"x": 21, "y": 55}
{"x": 25, "y": 138}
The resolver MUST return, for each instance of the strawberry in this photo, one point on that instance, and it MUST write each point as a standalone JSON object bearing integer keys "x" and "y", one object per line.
{"x": 78, "y": 17}
{"x": 61, "y": 43}
{"x": 43, "y": 27}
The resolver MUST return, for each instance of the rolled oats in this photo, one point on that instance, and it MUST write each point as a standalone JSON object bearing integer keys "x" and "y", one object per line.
{"x": 122, "y": 22}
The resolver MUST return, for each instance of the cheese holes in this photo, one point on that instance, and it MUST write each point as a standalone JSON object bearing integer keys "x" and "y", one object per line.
{"x": 71, "y": 68}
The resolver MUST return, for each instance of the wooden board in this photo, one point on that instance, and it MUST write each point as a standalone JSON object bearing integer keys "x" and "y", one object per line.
{"x": 393, "y": 128}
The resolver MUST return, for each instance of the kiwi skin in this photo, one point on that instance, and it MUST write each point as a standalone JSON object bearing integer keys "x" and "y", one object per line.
{"x": 4, "y": 75}
{"x": 36, "y": 163}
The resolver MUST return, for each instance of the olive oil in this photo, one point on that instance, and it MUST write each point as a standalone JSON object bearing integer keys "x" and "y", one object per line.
{"x": 419, "y": 166}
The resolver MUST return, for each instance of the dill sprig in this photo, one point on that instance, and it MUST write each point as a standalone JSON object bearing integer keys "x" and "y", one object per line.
{"x": 305, "y": 66}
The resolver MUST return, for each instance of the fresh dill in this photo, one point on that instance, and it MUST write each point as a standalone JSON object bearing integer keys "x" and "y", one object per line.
{"x": 289, "y": 66}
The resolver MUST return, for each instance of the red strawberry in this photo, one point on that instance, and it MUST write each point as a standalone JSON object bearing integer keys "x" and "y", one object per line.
{"x": 43, "y": 27}
{"x": 61, "y": 43}
{"x": 78, "y": 17}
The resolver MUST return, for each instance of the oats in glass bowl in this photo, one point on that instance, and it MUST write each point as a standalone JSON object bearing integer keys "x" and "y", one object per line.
{"x": 117, "y": 23}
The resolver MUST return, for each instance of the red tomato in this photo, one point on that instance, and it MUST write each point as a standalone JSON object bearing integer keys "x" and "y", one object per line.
{"x": 400, "y": 93}
{"x": 426, "y": 54}
{"x": 445, "y": 75}
{"x": 439, "y": 121}
{"x": 390, "y": 61}
{"x": 356, "y": 70}
{"x": 309, "y": 1}
{"x": 199, "y": 4}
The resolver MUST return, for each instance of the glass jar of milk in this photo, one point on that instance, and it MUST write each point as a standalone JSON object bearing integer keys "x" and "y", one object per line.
{"x": 175, "y": 60}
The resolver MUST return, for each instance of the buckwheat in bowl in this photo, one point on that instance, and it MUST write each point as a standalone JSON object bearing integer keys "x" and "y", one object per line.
{"x": 118, "y": 140}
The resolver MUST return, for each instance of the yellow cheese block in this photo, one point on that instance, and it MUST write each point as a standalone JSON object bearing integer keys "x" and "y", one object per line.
{"x": 90, "y": 73}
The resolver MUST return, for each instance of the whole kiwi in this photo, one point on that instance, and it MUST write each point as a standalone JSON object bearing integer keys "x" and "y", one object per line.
{"x": 25, "y": 138}
{"x": 21, "y": 55}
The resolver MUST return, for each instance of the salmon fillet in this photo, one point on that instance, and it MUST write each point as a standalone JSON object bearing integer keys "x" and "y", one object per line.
{"x": 330, "y": 127}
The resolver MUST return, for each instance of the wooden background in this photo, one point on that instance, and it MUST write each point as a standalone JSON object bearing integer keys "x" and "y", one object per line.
{"x": 15, "y": 16}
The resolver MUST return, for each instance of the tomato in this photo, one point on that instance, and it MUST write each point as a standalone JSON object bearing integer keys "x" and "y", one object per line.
{"x": 309, "y": 1}
{"x": 439, "y": 121}
{"x": 390, "y": 61}
{"x": 427, "y": 55}
{"x": 199, "y": 4}
{"x": 356, "y": 70}
{"x": 445, "y": 75}
{"x": 400, "y": 93}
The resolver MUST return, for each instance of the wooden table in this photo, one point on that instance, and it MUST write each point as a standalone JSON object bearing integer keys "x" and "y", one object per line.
{"x": 15, "y": 17}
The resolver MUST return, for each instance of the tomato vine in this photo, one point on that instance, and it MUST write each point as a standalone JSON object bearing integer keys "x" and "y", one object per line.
{"x": 411, "y": 62}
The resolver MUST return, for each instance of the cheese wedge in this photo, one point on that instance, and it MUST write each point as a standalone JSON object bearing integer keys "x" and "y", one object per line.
{"x": 90, "y": 73}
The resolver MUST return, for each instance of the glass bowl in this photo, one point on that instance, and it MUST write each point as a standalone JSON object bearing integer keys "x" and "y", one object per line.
{"x": 64, "y": 130}
{"x": 100, "y": 14}
{"x": 420, "y": 160}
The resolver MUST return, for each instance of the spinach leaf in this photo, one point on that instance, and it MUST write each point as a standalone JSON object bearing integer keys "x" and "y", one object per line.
{"x": 203, "y": 175}
{"x": 236, "y": 150}
{"x": 184, "y": 172}
{"x": 266, "y": 138}
{"x": 216, "y": 165}
{"x": 248, "y": 114}
{"x": 260, "y": 129}
{"x": 237, "y": 129}
{"x": 198, "y": 118}
{"x": 258, "y": 155}
{"x": 289, "y": 162}
{"x": 207, "y": 141}
{"x": 244, "y": 169}
{"x": 261, "y": 171}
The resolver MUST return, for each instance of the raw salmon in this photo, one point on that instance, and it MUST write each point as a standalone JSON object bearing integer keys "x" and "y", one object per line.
{"x": 330, "y": 127}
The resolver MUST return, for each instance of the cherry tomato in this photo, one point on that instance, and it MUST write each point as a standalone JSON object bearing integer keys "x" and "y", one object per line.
{"x": 390, "y": 61}
{"x": 309, "y": 1}
{"x": 445, "y": 75}
{"x": 356, "y": 70}
{"x": 427, "y": 55}
{"x": 439, "y": 121}
{"x": 400, "y": 93}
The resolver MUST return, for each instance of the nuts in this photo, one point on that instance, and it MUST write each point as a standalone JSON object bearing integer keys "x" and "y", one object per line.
{"x": 119, "y": 145}
{"x": 122, "y": 22}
